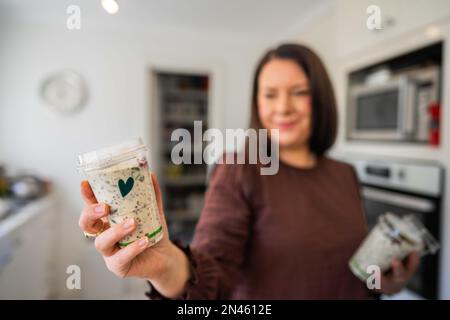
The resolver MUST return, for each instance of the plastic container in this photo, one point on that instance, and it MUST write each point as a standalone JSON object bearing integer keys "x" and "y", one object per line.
{"x": 120, "y": 176}
{"x": 393, "y": 237}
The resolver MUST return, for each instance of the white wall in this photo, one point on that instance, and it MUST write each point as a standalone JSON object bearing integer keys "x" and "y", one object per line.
{"x": 116, "y": 64}
{"x": 339, "y": 34}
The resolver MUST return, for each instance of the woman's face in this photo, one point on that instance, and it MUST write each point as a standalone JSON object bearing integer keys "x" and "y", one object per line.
{"x": 284, "y": 102}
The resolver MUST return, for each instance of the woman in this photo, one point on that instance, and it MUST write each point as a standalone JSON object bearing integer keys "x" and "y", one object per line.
{"x": 283, "y": 236}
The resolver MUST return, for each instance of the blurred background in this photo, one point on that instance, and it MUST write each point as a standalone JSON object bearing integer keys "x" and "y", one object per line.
{"x": 81, "y": 74}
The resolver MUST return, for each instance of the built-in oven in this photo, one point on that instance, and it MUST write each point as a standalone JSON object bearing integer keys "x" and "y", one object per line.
{"x": 406, "y": 188}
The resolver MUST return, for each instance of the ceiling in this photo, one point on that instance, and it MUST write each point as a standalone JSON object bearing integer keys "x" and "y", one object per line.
{"x": 250, "y": 17}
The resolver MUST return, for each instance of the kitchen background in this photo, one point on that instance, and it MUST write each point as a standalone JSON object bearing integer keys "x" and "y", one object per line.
{"x": 157, "y": 65}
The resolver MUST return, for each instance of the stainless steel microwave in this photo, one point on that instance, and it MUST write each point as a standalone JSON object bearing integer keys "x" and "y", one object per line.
{"x": 395, "y": 110}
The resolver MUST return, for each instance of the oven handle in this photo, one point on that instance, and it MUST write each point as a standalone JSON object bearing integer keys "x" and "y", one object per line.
{"x": 399, "y": 200}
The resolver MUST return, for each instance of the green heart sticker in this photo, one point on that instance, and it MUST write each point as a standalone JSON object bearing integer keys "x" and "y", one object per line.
{"x": 125, "y": 188}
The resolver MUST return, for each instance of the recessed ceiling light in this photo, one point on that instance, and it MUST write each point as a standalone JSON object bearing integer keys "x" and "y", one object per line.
{"x": 110, "y": 6}
{"x": 433, "y": 31}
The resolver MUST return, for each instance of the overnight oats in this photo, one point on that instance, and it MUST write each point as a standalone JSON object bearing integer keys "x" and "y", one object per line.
{"x": 393, "y": 237}
{"x": 120, "y": 177}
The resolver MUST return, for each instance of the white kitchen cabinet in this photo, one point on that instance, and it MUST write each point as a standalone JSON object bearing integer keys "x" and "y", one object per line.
{"x": 353, "y": 36}
{"x": 27, "y": 251}
{"x": 362, "y": 48}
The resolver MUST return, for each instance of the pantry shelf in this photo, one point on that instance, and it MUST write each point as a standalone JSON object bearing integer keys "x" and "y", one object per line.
{"x": 182, "y": 100}
{"x": 186, "y": 94}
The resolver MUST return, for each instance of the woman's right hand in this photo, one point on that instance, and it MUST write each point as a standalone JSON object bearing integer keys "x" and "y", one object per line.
{"x": 163, "y": 264}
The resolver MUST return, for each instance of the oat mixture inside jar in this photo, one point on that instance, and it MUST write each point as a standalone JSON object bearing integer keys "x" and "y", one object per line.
{"x": 128, "y": 189}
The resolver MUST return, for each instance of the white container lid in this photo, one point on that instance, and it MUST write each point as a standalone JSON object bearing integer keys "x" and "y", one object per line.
{"x": 109, "y": 155}
{"x": 410, "y": 228}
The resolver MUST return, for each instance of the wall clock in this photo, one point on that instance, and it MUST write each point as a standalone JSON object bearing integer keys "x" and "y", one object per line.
{"x": 65, "y": 91}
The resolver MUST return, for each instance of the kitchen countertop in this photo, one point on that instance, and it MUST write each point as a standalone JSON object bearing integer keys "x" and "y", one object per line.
{"x": 25, "y": 213}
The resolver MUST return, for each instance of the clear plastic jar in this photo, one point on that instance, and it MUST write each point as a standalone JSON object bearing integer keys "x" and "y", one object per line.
{"x": 120, "y": 176}
{"x": 393, "y": 237}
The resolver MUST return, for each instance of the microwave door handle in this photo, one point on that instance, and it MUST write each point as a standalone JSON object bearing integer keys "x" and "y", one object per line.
{"x": 408, "y": 103}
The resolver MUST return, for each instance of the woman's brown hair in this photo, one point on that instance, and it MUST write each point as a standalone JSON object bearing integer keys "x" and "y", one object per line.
{"x": 323, "y": 103}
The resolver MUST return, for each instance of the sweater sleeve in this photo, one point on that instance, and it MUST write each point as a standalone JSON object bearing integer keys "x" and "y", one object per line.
{"x": 218, "y": 249}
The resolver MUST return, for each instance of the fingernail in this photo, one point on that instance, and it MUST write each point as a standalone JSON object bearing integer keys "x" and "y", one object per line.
{"x": 100, "y": 208}
{"x": 128, "y": 223}
{"x": 143, "y": 242}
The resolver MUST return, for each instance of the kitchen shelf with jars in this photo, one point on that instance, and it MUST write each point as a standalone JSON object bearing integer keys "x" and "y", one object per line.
{"x": 182, "y": 99}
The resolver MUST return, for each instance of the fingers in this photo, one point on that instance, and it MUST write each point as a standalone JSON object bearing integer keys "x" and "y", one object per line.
{"x": 398, "y": 271}
{"x": 412, "y": 263}
{"x": 124, "y": 256}
{"x": 91, "y": 217}
{"x": 157, "y": 193}
{"x": 87, "y": 193}
{"x": 106, "y": 242}
{"x": 404, "y": 270}
{"x": 393, "y": 280}
{"x": 160, "y": 204}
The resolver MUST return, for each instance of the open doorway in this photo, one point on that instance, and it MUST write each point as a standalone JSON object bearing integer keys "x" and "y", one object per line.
{"x": 181, "y": 99}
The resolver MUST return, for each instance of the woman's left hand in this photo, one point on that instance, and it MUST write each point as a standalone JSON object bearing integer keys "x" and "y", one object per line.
{"x": 398, "y": 276}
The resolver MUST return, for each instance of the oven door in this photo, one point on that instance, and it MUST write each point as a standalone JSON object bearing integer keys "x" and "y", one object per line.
{"x": 378, "y": 201}
{"x": 382, "y": 112}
